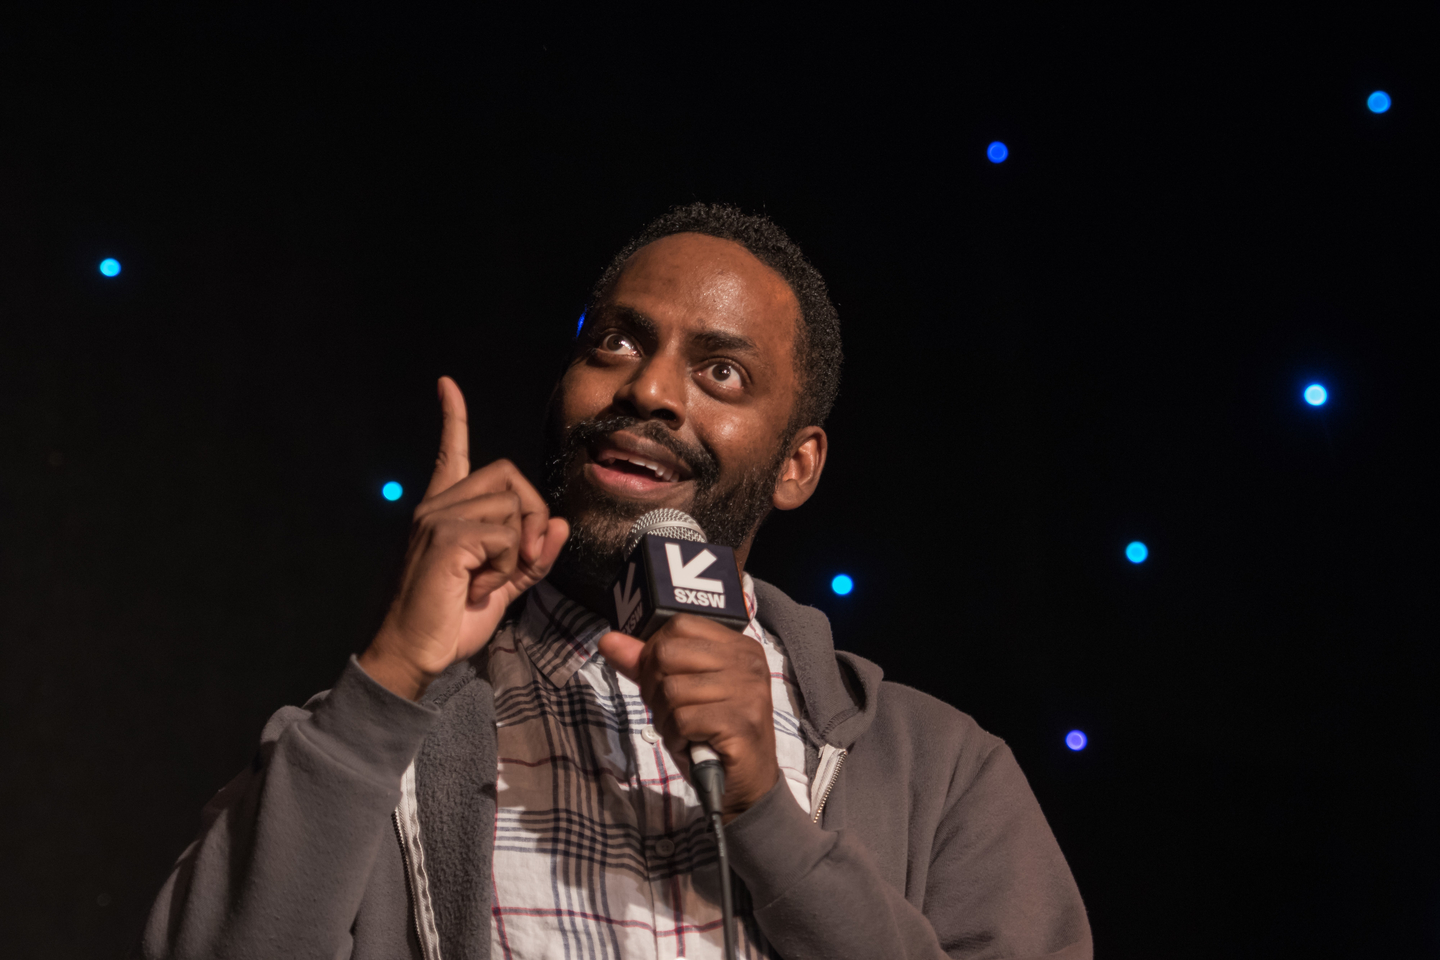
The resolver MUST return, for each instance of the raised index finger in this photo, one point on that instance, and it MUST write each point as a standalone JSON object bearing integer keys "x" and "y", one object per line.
{"x": 452, "y": 463}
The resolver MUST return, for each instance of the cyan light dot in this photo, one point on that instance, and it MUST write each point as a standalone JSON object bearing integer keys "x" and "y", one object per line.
{"x": 997, "y": 152}
{"x": 110, "y": 267}
{"x": 1075, "y": 740}
{"x": 1316, "y": 395}
{"x": 1136, "y": 552}
{"x": 1378, "y": 102}
{"x": 842, "y": 584}
{"x": 392, "y": 491}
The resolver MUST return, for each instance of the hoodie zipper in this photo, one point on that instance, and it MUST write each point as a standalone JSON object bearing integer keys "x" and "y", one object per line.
{"x": 835, "y": 775}
{"x": 409, "y": 884}
{"x": 407, "y": 825}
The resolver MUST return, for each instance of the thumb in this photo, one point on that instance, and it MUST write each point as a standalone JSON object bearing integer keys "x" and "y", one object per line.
{"x": 622, "y": 652}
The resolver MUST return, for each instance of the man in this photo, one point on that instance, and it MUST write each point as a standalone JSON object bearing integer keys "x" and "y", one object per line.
{"x": 499, "y": 775}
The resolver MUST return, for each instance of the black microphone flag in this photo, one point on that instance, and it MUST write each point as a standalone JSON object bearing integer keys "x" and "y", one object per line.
{"x": 672, "y": 570}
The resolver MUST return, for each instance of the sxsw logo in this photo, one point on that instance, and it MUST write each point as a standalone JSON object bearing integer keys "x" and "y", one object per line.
{"x": 627, "y": 602}
{"x": 657, "y": 583}
{"x": 689, "y": 586}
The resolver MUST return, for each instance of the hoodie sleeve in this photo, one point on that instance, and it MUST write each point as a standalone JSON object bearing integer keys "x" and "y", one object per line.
{"x": 286, "y": 849}
{"x": 996, "y": 885}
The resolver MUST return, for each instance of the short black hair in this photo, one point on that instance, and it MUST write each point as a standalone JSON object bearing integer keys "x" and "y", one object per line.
{"x": 817, "y": 342}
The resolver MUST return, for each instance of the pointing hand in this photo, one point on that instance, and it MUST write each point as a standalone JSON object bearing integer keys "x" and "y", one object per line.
{"x": 478, "y": 542}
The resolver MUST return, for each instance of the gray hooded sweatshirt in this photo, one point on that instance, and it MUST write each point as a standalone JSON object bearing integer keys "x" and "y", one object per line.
{"x": 930, "y": 842}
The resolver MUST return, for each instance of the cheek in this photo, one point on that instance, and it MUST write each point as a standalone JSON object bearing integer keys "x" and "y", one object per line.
{"x": 742, "y": 442}
{"x": 582, "y": 394}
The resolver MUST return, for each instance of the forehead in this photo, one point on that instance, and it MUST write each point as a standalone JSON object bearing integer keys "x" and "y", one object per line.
{"x": 699, "y": 282}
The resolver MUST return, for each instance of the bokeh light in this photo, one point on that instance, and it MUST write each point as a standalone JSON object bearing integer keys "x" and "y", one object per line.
{"x": 1378, "y": 102}
{"x": 1136, "y": 552}
{"x": 1076, "y": 740}
{"x": 392, "y": 491}
{"x": 842, "y": 584}
{"x": 110, "y": 267}
{"x": 997, "y": 152}
{"x": 1316, "y": 395}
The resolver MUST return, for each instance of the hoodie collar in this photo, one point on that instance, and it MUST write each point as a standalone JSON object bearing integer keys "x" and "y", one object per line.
{"x": 840, "y": 690}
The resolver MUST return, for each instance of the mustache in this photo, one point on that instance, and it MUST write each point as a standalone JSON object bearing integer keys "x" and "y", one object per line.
{"x": 704, "y": 466}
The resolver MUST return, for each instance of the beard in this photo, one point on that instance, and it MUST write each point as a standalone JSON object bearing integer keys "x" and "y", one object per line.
{"x": 729, "y": 511}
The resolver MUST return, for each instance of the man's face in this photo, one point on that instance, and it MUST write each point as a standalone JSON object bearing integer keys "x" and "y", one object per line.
{"x": 680, "y": 396}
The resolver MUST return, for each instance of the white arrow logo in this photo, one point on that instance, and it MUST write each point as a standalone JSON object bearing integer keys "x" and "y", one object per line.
{"x": 688, "y": 574}
{"x": 628, "y": 602}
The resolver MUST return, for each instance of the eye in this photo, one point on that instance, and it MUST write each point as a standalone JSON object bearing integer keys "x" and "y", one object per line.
{"x": 725, "y": 374}
{"x": 616, "y": 342}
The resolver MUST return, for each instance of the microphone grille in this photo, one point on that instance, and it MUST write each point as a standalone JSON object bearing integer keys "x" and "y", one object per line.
{"x": 664, "y": 522}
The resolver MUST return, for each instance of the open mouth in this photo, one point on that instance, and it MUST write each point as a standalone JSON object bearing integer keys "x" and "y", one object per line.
{"x": 640, "y": 467}
{"x": 635, "y": 464}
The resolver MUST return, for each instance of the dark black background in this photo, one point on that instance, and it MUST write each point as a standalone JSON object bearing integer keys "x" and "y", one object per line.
{"x": 320, "y": 210}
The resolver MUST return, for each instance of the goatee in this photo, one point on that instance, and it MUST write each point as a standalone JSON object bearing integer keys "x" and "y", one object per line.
{"x": 728, "y": 512}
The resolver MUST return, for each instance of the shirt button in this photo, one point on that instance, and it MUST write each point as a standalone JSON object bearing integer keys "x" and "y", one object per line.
{"x": 650, "y": 736}
{"x": 664, "y": 847}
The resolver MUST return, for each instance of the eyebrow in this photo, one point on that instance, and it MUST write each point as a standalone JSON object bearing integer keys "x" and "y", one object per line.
{"x": 714, "y": 340}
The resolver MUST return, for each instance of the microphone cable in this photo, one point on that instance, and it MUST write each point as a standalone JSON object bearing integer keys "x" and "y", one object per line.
{"x": 709, "y": 778}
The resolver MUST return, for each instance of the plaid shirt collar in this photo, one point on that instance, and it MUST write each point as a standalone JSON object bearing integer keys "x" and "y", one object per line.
{"x": 560, "y": 635}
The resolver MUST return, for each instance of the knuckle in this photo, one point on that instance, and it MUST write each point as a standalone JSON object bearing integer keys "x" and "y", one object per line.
{"x": 440, "y": 537}
{"x": 685, "y": 622}
{"x": 683, "y": 719}
{"x": 672, "y": 688}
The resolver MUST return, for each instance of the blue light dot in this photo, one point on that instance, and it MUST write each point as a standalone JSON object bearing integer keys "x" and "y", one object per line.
{"x": 110, "y": 267}
{"x": 392, "y": 491}
{"x": 1378, "y": 102}
{"x": 581, "y": 325}
{"x": 842, "y": 584}
{"x": 997, "y": 152}
{"x": 1076, "y": 740}
{"x": 1316, "y": 395}
{"x": 1136, "y": 552}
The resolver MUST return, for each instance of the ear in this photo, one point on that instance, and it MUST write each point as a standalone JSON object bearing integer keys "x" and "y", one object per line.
{"x": 801, "y": 473}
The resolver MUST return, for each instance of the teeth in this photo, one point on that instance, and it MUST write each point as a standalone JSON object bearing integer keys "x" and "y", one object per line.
{"x": 661, "y": 472}
{"x": 654, "y": 468}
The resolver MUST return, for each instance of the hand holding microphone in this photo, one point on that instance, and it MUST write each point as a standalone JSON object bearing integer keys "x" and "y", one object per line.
{"x": 706, "y": 683}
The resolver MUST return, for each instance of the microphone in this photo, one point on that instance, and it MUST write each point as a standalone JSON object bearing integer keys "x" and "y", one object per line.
{"x": 670, "y": 569}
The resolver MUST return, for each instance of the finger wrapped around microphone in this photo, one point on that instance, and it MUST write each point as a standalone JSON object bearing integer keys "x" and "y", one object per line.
{"x": 706, "y": 683}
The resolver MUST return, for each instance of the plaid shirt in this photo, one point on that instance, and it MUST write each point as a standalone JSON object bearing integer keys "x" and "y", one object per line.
{"x": 601, "y": 848}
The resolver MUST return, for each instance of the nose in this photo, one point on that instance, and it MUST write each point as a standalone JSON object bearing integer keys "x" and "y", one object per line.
{"x": 656, "y": 391}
